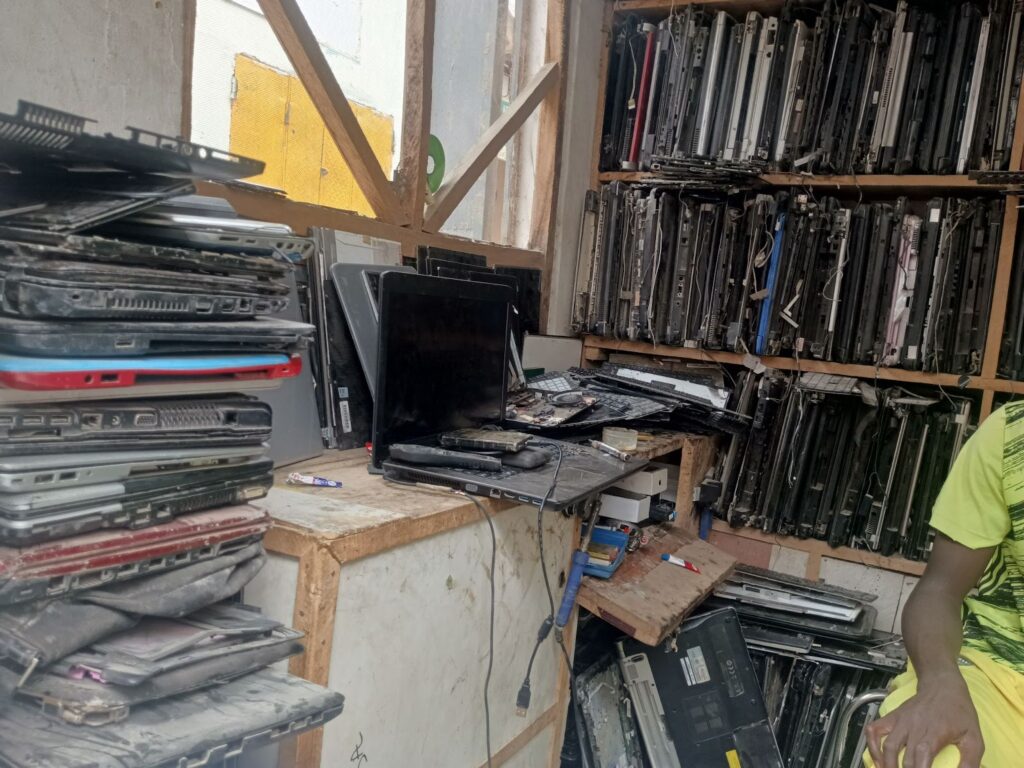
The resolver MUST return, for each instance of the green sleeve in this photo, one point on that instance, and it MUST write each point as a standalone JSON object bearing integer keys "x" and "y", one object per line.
{"x": 971, "y": 509}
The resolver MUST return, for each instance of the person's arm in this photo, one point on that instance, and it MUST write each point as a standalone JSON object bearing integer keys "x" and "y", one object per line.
{"x": 941, "y": 713}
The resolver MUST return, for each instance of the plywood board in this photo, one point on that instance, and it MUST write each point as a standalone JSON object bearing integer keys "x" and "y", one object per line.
{"x": 647, "y": 598}
{"x": 367, "y": 515}
{"x": 411, "y": 641}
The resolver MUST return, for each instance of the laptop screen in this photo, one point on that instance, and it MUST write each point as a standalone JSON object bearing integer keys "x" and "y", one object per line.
{"x": 441, "y": 358}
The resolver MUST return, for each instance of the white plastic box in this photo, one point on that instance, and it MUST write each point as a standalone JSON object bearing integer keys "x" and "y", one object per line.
{"x": 649, "y": 481}
{"x": 625, "y": 505}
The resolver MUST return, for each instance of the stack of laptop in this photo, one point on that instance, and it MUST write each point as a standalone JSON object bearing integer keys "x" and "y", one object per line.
{"x": 848, "y": 87}
{"x": 897, "y": 283}
{"x": 128, "y": 456}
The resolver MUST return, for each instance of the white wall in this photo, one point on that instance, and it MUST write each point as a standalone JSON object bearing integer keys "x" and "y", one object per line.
{"x": 368, "y": 63}
{"x": 117, "y": 61}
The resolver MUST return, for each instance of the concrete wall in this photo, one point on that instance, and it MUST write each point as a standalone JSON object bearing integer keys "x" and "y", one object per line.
{"x": 117, "y": 61}
{"x": 586, "y": 41}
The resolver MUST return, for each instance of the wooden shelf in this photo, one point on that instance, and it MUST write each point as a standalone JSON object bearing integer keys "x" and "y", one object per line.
{"x": 822, "y": 549}
{"x": 664, "y": 7}
{"x": 901, "y": 183}
{"x": 602, "y": 345}
{"x": 646, "y": 597}
{"x": 595, "y": 349}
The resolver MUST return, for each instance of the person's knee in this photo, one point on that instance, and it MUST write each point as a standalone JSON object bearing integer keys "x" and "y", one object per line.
{"x": 949, "y": 757}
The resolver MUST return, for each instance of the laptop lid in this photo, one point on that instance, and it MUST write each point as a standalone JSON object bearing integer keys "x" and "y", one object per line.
{"x": 441, "y": 359}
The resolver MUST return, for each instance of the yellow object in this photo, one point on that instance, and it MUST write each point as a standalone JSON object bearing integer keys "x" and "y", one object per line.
{"x": 998, "y": 694}
{"x": 982, "y": 505}
{"x": 732, "y": 757}
{"x": 274, "y": 120}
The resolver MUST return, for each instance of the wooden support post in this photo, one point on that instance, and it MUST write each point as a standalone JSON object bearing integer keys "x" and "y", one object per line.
{"x": 419, "y": 74}
{"x": 487, "y": 147}
{"x": 303, "y": 50}
{"x": 188, "y": 57}
{"x": 549, "y": 151}
{"x": 316, "y": 601}
{"x": 1001, "y": 290}
{"x": 602, "y": 93}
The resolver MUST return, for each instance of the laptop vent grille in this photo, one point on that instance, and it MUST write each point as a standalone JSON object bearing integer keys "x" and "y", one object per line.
{"x": 193, "y": 416}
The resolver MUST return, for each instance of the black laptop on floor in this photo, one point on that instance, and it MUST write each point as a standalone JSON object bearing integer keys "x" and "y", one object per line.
{"x": 442, "y": 366}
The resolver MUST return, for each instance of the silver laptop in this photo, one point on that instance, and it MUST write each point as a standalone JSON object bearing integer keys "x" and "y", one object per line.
{"x": 21, "y": 474}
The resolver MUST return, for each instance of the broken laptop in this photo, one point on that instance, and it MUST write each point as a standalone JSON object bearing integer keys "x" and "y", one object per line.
{"x": 91, "y": 560}
{"x": 136, "y": 425}
{"x": 32, "y": 517}
{"x": 697, "y": 699}
{"x": 199, "y": 729}
{"x": 55, "y": 373}
{"x": 157, "y": 658}
{"x": 442, "y": 367}
{"x": 114, "y": 338}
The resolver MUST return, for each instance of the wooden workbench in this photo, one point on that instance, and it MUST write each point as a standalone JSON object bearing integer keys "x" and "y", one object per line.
{"x": 391, "y": 586}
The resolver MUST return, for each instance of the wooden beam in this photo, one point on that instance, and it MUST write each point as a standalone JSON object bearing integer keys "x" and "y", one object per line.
{"x": 549, "y": 135}
{"x": 419, "y": 75}
{"x": 602, "y": 94}
{"x": 549, "y": 153}
{"x": 316, "y": 601}
{"x": 303, "y": 50}
{"x": 524, "y": 737}
{"x": 187, "y": 60}
{"x": 256, "y": 203}
{"x": 487, "y": 147}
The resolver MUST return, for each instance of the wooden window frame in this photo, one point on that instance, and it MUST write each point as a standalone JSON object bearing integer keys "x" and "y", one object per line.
{"x": 401, "y": 211}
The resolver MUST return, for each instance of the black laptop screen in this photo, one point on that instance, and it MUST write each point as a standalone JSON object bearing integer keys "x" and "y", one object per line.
{"x": 441, "y": 358}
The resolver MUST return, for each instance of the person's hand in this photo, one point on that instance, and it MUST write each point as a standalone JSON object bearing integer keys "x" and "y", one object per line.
{"x": 941, "y": 714}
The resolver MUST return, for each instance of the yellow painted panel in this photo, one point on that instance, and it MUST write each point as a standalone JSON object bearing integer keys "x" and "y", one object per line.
{"x": 305, "y": 134}
{"x": 337, "y": 186}
{"x": 273, "y": 119}
{"x": 258, "y": 117}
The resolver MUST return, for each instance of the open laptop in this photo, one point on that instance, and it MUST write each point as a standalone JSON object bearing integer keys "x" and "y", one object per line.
{"x": 442, "y": 365}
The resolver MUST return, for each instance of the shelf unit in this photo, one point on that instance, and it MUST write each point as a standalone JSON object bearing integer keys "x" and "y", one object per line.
{"x": 881, "y": 182}
{"x": 987, "y": 383}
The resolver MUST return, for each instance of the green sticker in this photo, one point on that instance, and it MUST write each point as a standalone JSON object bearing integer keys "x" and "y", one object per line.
{"x": 435, "y": 153}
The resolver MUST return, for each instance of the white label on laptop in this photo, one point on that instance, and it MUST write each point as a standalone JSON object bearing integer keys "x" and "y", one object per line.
{"x": 346, "y": 417}
{"x": 695, "y": 668}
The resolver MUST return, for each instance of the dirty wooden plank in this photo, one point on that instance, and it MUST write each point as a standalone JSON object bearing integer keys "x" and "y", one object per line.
{"x": 648, "y": 598}
{"x": 366, "y": 516}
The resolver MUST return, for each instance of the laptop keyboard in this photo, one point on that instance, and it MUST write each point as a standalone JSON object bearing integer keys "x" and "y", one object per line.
{"x": 552, "y": 382}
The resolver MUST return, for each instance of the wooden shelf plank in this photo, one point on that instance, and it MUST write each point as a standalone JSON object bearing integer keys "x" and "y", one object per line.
{"x": 663, "y": 7}
{"x": 646, "y": 597}
{"x": 822, "y": 549}
{"x": 899, "y": 182}
{"x": 595, "y": 348}
{"x": 780, "y": 363}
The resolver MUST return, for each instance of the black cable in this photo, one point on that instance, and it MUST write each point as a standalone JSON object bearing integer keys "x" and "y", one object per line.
{"x": 490, "y": 651}
{"x": 522, "y": 698}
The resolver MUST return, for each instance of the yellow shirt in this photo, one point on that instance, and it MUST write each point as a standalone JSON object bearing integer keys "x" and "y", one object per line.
{"x": 982, "y": 505}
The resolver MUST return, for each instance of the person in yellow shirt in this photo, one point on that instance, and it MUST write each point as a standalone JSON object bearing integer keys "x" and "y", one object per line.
{"x": 961, "y": 702}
